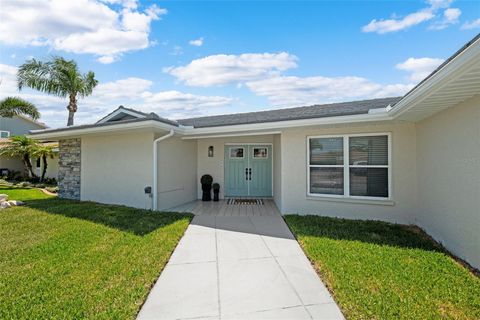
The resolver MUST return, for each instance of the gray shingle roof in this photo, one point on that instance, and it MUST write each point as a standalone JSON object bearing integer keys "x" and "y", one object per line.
{"x": 316, "y": 111}
{"x": 310, "y": 112}
{"x": 148, "y": 116}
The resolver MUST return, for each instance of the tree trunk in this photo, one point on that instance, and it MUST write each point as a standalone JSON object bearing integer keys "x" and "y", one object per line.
{"x": 72, "y": 108}
{"x": 44, "y": 170}
{"x": 28, "y": 165}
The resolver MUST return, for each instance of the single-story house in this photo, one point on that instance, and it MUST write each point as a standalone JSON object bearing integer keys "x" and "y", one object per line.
{"x": 20, "y": 126}
{"x": 413, "y": 159}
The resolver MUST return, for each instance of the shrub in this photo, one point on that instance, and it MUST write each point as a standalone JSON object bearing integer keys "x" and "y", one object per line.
{"x": 24, "y": 184}
{"x": 206, "y": 179}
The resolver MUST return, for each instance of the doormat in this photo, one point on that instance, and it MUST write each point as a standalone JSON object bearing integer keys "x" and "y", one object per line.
{"x": 245, "y": 201}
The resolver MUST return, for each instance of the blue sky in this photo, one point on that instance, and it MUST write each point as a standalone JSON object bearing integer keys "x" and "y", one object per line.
{"x": 192, "y": 58}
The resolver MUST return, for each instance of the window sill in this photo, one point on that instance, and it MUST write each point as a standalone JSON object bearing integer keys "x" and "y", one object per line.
{"x": 381, "y": 202}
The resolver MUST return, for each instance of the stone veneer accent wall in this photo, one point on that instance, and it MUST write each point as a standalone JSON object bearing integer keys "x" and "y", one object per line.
{"x": 69, "y": 169}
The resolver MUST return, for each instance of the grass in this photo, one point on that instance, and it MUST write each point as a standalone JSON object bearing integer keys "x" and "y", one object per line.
{"x": 15, "y": 193}
{"x": 378, "y": 270}
{"x": 63, "y": 259}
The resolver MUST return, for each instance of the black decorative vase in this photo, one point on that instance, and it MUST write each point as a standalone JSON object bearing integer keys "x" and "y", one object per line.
{"x": 206, "y": 182}
{"x": 216, "y": 191}
{"x": 207, "y": 192}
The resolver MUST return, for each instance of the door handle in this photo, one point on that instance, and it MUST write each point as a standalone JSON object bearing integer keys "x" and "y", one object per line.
{"x": 250, "y": 174}
{"x": 246, "y": 174}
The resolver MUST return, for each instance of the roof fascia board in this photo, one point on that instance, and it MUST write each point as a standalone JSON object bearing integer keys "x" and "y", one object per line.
{"x": 43, "y": 135}
{"x": 451, "y": 70}
{"x": 261, "y": 133}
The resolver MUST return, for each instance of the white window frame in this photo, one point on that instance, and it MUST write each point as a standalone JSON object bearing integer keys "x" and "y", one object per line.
{"x": 346, "y": 166}
{"x": 8, "y": 133}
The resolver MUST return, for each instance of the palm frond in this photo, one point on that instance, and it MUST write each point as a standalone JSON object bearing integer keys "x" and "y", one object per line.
{"x": 41, "y": 150}
{"x": 88, "y": 84}
{"x": 44, "y": 76}
{"x": 14, "y": 106}
{"x": 59, "y": 77}
{"x": 18, "y": 146}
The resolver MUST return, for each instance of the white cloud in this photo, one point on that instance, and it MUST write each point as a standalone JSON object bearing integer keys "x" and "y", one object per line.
{"x": 439, "y": 4}
{"x": 133, "y": 92}
{"x": 108, "y": 43}
{"x": 176, "y": 51}
{"x": 175, "y": 100}
{"x": 197, "y": 42}
{"x": 298, "y": 91}
{"x": 450, "y": 16}
{"x": 223, "y": 69}
{"x": 419, "y": 68}
{"x": 390, "y": 25}
{"x": 107, "y": 59}
{"x": 129, "y": 89}
{"x": 471, "y": 24}
{"x": 8, "y": 80}
{"x": 81, "y": 26}
{"x": 131, "y": 4}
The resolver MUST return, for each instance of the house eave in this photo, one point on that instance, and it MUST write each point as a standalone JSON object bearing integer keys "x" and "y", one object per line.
{"x": 56, "y": 134}
{"x": 194, "y": 132}
{"x": 427, "y": 98}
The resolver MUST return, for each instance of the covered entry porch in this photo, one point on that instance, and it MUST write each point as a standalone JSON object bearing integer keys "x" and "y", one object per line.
{"x": 246, "y": 166}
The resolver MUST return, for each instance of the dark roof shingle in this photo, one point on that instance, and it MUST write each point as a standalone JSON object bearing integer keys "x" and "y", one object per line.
{"x": 310, "y": 112}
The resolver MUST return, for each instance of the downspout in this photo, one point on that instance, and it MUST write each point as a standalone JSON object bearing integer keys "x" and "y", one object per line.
{"x": 155, "y": 167}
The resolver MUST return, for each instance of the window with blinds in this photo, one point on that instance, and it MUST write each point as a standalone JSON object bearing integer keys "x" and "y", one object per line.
{"x": 349, "y": 166}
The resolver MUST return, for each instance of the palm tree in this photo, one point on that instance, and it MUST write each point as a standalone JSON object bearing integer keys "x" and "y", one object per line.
{"x": 43, "y": 152}
{"x": 14, "y": 106}
{"x": 23, "y": 147}
{"x": 59, "y": 77}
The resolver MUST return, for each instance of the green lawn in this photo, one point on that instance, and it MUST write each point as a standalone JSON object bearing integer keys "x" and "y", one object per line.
{"x": 63, "y": 259}
{"x": 378, "y": 270}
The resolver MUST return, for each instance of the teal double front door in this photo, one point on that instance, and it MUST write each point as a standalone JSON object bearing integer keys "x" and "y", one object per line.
{"x": 248, "y": 170}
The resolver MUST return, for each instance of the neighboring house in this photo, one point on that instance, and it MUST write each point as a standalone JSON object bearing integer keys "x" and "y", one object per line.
{"x": 18, "y": 126}
{"x": 413, "y": 159}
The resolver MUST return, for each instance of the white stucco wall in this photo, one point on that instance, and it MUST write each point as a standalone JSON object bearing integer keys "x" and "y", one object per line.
{"x": 116, "y": 168}
{"x": 215, "y": 165}
{"x": 294, "y": 175}
{"x": 52, "y": 167}
{"x": 448, "y": 166}
{"x": 177, "y": 172}
{"x": 14, "y": 164}
{"x": 16, "y": 126}
{"x": 277, "y": 170}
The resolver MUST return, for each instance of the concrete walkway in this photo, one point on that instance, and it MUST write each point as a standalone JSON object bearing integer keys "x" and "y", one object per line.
{"x": 239, "y": 267}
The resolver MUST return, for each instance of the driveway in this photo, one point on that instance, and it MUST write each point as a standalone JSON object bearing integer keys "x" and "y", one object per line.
{"x": 239, "y": 267}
